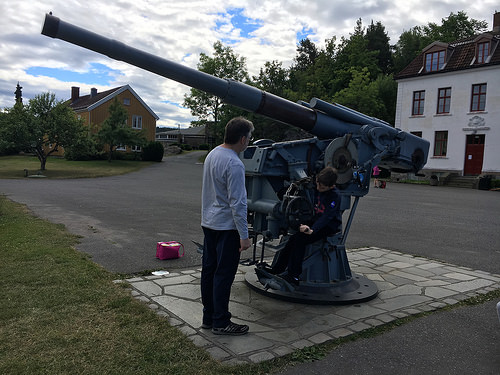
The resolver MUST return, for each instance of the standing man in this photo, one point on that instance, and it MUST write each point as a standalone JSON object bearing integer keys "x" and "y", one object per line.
{"x": 224, "y": 223}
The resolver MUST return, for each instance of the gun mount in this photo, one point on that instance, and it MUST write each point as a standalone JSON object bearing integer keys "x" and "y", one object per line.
{"x": 278, "y": 174}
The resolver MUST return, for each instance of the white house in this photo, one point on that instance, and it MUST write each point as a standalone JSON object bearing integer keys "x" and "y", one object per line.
{"x": 450, "y": 95}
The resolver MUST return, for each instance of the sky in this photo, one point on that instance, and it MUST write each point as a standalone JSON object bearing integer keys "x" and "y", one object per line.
{"x": 258, "y": 30}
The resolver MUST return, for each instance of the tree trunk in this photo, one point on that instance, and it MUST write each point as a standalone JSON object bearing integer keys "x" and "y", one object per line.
{"x": 40, "y": 154}
{"x": 110, "y": 154}
{"x": 43, "y": 161}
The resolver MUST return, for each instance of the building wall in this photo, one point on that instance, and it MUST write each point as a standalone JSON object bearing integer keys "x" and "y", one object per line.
{"x": 100, "y": 114}
{"x": 459, "y": 122}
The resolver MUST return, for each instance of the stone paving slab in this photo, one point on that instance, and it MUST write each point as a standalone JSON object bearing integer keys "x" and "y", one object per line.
{"x": 407, "y": 286}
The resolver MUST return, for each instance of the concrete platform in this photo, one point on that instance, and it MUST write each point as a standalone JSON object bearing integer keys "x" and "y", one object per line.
{"x": 407, "y": 285}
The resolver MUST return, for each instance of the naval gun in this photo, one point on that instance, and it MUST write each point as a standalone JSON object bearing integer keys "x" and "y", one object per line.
{"x": 279, "y": 175}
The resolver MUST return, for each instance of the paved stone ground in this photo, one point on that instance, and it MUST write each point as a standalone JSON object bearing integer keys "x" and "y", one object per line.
{"x": 407, "y": 285}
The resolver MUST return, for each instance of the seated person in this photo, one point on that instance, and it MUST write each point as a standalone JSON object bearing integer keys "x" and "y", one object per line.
{"x": 327, "y": 221}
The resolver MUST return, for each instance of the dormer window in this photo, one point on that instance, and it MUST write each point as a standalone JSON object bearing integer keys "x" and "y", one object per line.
{"x": 483, "y": 50}
{"x": 434, "y": 61}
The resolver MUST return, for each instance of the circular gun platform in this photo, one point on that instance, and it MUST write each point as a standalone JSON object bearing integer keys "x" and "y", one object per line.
{"x": 354, "y": 290}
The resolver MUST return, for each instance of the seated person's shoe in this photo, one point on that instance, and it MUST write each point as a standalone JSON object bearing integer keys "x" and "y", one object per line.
{"x": 269, "y": 269}
{"x": 232, "y": 329}
{"x": 290, "y": 279}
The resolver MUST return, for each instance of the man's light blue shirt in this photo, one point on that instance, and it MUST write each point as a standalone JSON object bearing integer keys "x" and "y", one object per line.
{"x": 224, "y": 197}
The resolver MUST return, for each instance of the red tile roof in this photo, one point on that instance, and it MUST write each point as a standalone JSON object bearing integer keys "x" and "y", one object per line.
{"x": 460, "y": 55}
{"x": 83, "y": 102}
{"x": 88, "y": 102}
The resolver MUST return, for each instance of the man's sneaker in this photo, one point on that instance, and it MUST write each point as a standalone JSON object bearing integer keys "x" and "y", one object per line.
{"x": 232, "y": 329}
{"x": 206, "y": 325}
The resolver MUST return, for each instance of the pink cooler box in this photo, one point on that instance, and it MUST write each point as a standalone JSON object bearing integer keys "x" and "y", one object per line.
{"x": 169, "y": 250}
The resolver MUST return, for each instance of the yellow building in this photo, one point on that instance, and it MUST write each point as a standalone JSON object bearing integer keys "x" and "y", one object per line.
{"x": 93, "y": 109}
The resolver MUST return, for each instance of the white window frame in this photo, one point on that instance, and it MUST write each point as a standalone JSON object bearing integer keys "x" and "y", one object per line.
{"x": 136, "y": 122}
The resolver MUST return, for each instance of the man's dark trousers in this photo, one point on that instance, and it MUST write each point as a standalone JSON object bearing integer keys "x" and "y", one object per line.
{"x": 221, "y": 257}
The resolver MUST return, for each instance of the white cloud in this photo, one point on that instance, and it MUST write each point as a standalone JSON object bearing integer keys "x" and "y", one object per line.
{"x": 180, "y": 31}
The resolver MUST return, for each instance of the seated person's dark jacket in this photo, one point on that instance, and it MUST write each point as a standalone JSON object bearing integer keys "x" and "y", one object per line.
{"x": 327, "y": 213}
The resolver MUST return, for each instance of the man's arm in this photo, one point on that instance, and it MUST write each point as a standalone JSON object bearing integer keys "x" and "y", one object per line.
{"x": 245, "y": 244}
{"x": 238, "y": 200}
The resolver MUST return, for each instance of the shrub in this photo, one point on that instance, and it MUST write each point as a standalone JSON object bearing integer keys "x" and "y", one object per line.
{"x": 129, "y": 156}
{"x": 203, "y": 146}
{"x": 153, "y": 151}
{"x": 7, "y": 149}
{"x": 84, "y": 149}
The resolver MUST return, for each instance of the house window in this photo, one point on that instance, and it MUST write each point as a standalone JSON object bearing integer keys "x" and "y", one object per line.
{"x": 418, "y": 103}
{"x": 121, "y": 148}
{"x": 440, "y": 143}
{"x": 483, "y": 50}
{"x": 137, "y": 122}
{"x": 136, "y": 148}
{"x": 478, "y": 100}
{"x": 126, "y": 101}
{"x": 444, "y": 99}
{"x": 434, "y": 61}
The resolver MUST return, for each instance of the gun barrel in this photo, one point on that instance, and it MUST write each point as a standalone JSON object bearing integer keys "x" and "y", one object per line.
{"x": 230, "y": 91}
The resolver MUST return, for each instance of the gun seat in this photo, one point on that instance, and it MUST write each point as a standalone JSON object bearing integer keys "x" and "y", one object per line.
{"x": 325, "y": 261}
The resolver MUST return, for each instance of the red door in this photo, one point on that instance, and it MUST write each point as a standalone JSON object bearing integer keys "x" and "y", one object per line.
{"x": 474, "y": 152}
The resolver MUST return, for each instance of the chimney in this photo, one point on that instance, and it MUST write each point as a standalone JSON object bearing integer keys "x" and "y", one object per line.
{"x": 75, "y": 93}
{"x": 93, "y": 92}
{"x": 496, "y": 22}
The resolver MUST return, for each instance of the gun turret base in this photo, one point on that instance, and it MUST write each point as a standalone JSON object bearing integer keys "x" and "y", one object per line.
{"x": 353, "y": 290}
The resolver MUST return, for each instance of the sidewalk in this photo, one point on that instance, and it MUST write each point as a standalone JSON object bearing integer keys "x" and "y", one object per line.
{"x": 407, "y": 286}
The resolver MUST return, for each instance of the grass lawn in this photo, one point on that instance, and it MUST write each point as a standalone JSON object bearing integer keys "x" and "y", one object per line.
{"x": 61, "y": 313}
{"x": 14, "y": 166}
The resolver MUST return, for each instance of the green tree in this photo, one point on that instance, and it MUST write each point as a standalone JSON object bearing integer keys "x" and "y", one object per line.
{"x": 115, "y": 132}
{"x": 85, "y": 148}
{"x": 43, "y": 126}
{"x": 407, "y": 48}
{"x": 378, "y": 40}
{"x": 11, "y": 121}
{"x": 307, "y": 53}
{"x": 387, "y": 89}
{"x": 224, "y": 64}
{"x": 454, "y": 27}
{"x": 354, "y": 53}
{"x": 361, "y": 94}
{"x": 274, "y": 79}
{"x": 306, "y": 74}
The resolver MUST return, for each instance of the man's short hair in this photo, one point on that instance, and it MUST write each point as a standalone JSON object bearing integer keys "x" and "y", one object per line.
{"x": 236, "y": 128}
{"x": 327, "y": 176}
